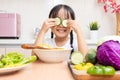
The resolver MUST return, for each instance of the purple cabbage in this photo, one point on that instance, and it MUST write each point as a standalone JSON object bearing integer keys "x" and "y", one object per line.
{"x": 108, "y": 53}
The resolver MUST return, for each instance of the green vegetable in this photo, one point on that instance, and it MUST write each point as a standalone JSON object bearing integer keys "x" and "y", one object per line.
{"x": 64, "y": 23}
{"x": 1, "y": 64}
{"x": 58, "y": 21}
{"x": 91, "y": 56}
{"x": 101, "y": 70}
{"x": 95, "y": 70}
{"x": 29, "y": 59}
{"x": 76, "y": 57}
{"x": 108, "y": 70}
{"x": 14, "y": 59}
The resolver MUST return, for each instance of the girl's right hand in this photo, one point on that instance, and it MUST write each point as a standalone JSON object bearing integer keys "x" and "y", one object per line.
{"x": 48, "y": 24}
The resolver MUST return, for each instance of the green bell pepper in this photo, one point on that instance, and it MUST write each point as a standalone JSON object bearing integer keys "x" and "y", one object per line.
{"x": 101, "y": 70}
{"x": 108, "y": 70}
{"x": 95, "y": 70}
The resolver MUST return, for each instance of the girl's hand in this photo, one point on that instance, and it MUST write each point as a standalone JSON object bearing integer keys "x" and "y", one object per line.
{"x": 74, "y": 25}
{"x": 82, "y": 45}
{"x": 48, "y": 24}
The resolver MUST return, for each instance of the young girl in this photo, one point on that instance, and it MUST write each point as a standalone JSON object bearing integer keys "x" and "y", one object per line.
{"x": 62, "y": 36}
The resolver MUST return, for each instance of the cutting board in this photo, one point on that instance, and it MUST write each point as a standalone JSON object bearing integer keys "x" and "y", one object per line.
{"x": 82, "y": 75}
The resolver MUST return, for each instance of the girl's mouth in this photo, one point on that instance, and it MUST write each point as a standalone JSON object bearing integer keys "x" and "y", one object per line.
{"x": 61, "y": 30}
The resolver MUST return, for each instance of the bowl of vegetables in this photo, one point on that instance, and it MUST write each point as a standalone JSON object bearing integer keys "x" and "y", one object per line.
{"x": 49, "y": 54}
{"x": 52, "y": 55}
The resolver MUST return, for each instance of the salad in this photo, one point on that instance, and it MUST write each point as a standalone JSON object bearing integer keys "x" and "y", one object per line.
{"x": 14, "y": 59}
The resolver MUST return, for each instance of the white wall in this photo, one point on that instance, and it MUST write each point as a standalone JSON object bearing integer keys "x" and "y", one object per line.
{"x": 34, "y": 12}
{"x": 90, "y": 10}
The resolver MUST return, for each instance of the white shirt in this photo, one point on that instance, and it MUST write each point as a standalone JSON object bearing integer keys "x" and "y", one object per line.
{"x": 52, "y": 43}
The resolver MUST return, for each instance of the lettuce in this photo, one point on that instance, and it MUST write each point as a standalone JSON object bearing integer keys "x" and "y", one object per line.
{"x": 14, "y": 59}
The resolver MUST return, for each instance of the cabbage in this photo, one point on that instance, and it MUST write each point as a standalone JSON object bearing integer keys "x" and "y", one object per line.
{"x": 108, "y": 53}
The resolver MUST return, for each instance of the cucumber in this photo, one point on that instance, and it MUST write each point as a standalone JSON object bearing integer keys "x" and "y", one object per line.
{"x": 58, "y": 21}
{"x": 91, "y": 56}
{"x": 64, "y": 23}
{"x": 77, "y": 57}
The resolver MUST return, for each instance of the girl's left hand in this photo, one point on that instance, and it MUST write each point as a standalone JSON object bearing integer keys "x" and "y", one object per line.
{"x": 74, "y": 25}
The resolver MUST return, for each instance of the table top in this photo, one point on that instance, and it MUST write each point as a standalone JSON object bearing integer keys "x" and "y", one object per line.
{"x": 41, "y": 71}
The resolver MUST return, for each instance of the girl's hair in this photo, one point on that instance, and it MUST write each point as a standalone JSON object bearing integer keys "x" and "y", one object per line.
{"x": 70, "y": 13}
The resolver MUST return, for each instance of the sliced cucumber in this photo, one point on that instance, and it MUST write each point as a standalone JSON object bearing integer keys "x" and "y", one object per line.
{"x": 76, "y": 58}
{"x": 58, "y": 21}
{"x": 64, "y": 23}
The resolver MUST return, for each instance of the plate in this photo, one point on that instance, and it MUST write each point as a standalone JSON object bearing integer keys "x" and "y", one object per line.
{"x": 12, "y": 69}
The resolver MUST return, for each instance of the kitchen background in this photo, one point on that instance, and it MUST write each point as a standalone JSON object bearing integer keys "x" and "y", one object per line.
{"x": 34, "y": 12}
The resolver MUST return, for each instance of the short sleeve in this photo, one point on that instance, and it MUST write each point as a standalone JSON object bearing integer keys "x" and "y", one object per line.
{"x": 75, "y": 44}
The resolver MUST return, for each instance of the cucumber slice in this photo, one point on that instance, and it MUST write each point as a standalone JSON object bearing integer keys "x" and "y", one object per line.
{"x": 77, "y": 58}
{"x": 64, "y": 23}
{"x": 58, "y": 21}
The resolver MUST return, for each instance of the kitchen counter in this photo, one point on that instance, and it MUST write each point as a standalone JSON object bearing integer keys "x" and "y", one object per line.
{"x": 41, "y": 71}
{"x": 17, "y": 43}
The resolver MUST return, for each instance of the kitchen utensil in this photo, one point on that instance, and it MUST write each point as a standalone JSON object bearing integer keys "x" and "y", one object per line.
{"x": 30, "y": 46}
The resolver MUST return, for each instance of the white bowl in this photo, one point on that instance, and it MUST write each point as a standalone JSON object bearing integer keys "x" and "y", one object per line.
{"x": 52, "y": 56}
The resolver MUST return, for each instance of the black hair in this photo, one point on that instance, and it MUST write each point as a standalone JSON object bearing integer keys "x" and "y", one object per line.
{"x": 70, "y": 13}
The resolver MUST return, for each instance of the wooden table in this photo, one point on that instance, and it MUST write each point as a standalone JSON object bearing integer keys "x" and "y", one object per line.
{"x": 41, "y": 71}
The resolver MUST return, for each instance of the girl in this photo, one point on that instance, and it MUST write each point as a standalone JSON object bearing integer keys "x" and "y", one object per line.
{"x": 59, "y": 34}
